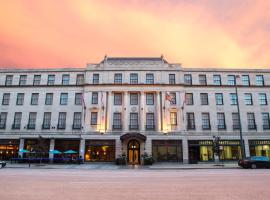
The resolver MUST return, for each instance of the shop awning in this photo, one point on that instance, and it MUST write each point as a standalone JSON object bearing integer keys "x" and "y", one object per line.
{"x": 128, "y": 136}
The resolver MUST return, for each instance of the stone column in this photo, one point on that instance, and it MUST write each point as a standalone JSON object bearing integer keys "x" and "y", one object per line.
{"x": 21, "y": 147}
{"x": 125, "y": 110}
{"x": 158, "y": 113}
{"x": 52, "y": 144}
{"x": 247, "y": 151}
{"x": 82, "y": 148}
{"x": 109, "y": 112}
{"x": 142, "y": 112}
{"x": 185, "y": 150}
{"x": 118, "y": 148}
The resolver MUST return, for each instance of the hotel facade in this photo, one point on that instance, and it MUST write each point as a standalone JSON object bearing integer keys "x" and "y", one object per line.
{"x": 136, "y": 106}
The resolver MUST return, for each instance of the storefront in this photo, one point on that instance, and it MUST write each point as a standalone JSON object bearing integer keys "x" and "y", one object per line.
{"x": 259, "y": 148}
{"x": 167, "y": 150}
{"x": 230, "y": 150}
{"x": 67, "y": 145}
{"x": 100, "y": 150}
{"x": 200, "y": 151}
{"x": 9, "y": 149}
{"x": 37, "y": 148}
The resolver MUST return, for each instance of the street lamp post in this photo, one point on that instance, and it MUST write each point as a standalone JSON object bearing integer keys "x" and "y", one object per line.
{"x": 240, "y": 124}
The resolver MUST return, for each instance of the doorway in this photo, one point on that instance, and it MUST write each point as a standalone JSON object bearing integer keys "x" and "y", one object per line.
{"x": 133, "y": 152}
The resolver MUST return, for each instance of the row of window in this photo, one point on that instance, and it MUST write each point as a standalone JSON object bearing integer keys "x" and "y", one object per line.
{"x": 149, "y": 79}
{"x": 248, "y": 99}
{"x": 221, "y": 122}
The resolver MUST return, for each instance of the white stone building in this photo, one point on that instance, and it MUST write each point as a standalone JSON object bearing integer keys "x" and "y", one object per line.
{"x": 135, "y": 106}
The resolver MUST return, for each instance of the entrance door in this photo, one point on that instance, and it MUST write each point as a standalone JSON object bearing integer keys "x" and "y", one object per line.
{"x": 133, "y": 152}
{"x": 193, "y": 154}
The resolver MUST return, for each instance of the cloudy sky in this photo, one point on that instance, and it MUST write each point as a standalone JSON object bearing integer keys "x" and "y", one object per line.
{"x": 196, "y": 33}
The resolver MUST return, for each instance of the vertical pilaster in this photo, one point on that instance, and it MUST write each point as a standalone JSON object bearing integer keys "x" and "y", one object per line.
{"x": 82, "y": 148}
{"x": 52, "y": 144}
{"x": 110, "y": 111}
{"x": 142, "y": 111}
{"x": 126, "y": 122}
{"x": 247, "y": 151}
{"x": 21, "y": 147}
{"x": 185, "y": 150}
{"x": 158, "y": 118}
{"x": 118, "y": 148}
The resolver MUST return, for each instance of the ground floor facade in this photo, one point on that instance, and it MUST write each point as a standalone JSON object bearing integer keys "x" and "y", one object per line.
{"x": 106, "y": 148}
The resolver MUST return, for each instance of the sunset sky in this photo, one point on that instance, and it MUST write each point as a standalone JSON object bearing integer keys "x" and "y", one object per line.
{"x": 196, "y": 33}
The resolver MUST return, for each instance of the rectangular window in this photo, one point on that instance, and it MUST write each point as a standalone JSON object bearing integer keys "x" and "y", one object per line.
{"x": 190, "y": 121}
{"x": 245, "y": 80}
{"x": 231, "y": 80}
{"x": 6, "y": 98}
{"x": 206, "y": 121}
{"x": 64, "y": 99}
{"x": 47, "y": 120}
{"x": 23, "y": 79}
{"x": 117, "y": 121}
{"x": 118, "y": 78}
{"x": 94, "y": 97}
{"x": 149, "y": 99}
{"x": 134, "y": 98}
{"x": 9, "y": 79}
{"x": 51, "y": 80}
{"x": 173, "y": 98}
{"x": 217, "y": 79}
{"x": 219, "y": 98}
{"x": 150, "y": 121}
{"x": 78, "y": 99}
{"x": 204, "y": 98}
{"x": 34, "y": 98}
{"x": 37, "y": 80}
{"x": 188, "y": 79}
{"x": 79, "y": 79}
{"x": 32, "y": 120}
{"x": 149, "y": 78}
{"x": 94, "y": 116}
{"x": 95, "y": 78}
{"x": 173, "y": 118}
{"x": 221, "y": 121}
{"x": 248, "y": 99}
{"x": 235, "y": 121}
{"x": 233, "y": 98}
{"x": 133, "y": 78}
{"x": 3, "y": 120}
{"x": 65, "y": 79}
{"x": 251, "y": 121}
{"x": 77, "y": 120}
{"x": 20, "y": 99}
{"x": 189, "y": 99}
{"x": 62, "y": 120}
{"x": 266, "y": 121}
{"x": 262, "y": 99}
{"x": 202, "y": 79}
{"x": 134, "y": 124}
{"x": 17, "y": 120}
{"x": 49, "y": 99}
{"x": 259, "y": 80}
{"x": 171, "y": 79}
{"x": 117, "y": 99}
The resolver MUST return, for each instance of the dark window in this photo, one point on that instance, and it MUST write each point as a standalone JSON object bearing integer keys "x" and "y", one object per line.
{"x": 94, "y": 97}
{"x": 231, "y": 80}
{"x": 23, "y": 79}
{"x": 133, "y": 78}
{"x": 80, "y": 79}
{"x": 77, "y": 120}
{"x": 219, "y": 98}
{"x": 262, "y": 99}
{"x": 78, "y": 99}
{"x": 118, "y": 78}
{"x": 245, "y": 80}
{"x": 251, "y": 121}
{"x": 266, "y": 121}
{"x": 217, "y": 79}
{"x": 204, "y": 98}
{"x": 6, "y": 98}
{"x": 235, "y": 121}
{"x": 47, "y": 120}
{"x": 20, "y": 99}
{"x": 189, "y": 98}
{"x": 248, "y": 99}
{"x": 134, "y": 98}
{"x": 117, "y": 99}
{"x": 259, "y": 80}
{"x": 94, "y": 118}
{"x": 202, "y": 79}
{"x": 32, "y": 120}
{"x": 188, "y": 79}
{"x": 149, "y": 99}
{"x": 171, "y": 79}
{"x": 62, "y": 120}
{"x": 190, "y": 121}
{"x": 149, "y": 78}
{"x": 221, "y": 121}
{"x": 150, "y": 121}
{"x": 65, "y": 79}
{"x": 17, "y": 120}
{"x": 134, "y": 121}
{"x": 206, "y": 121}
{"x": 37, "y": 80}
{"x": 51, "y": 79}
{"x": 9, "y": 79}
{"x": 233, "y": 98}
{"x": 64, "y": 99}
{"x": 34, "y": 98}
{"x": 49, "y": 99}
{"x": 95, "y": 78}
{"x": 3, "y": 120}
{"x": 117, "y": 121}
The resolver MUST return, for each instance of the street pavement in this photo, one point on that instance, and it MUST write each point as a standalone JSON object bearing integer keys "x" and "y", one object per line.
{"x": 131, "y": 184}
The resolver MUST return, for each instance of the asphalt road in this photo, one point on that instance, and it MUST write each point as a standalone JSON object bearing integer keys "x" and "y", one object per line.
{"x": 131, "y": 184}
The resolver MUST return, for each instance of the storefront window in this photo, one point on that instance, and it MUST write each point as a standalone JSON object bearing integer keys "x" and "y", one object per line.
{"x": 65, "y": 145}
{"x": 38, "y": 148}
{"x": 230, "y": 150}
{"x": 260, "y": 148}
{"x": 200, "y": 151}
{"x": 167, "y": 150}
{"x": 100, "y": 150}
{"x": 9, "y": 149}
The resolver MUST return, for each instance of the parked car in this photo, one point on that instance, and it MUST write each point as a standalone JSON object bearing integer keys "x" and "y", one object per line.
{"x": 254, "y": 162}
{"x": 2, "y": 164}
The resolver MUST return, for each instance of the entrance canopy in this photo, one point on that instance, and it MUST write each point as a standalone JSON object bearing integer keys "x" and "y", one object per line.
{"x": 128, "y": 136}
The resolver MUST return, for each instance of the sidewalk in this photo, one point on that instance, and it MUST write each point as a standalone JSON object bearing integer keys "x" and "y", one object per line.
{"x": 112, "y": 166}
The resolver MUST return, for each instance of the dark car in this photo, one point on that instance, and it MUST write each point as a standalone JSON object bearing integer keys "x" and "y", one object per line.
{"x": 2, "y": 164}
{"x": 255, "y": 162}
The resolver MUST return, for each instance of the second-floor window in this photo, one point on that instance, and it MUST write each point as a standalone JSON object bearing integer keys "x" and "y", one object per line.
{"x": 233, "y": 98}
{"x": 49, "y": 99}
{"x": 150, "y": 121}
{"x": 219, "y": 98}
{"x": 65, "y": 79}
{"x": 117, "y": 121}
{"x": 20, "y": 99}
{"x": 51, "y": 80}
{"x": 3, "y": 120}
{"x": 6, "y": 98}
{"x": 235, "y": 121}
{"x": 262, "y": 99}
{"x": 149, "y": 99}
{"x": 47, "y": 120}
{"x": 78, "y": 99}
{"x": 9, "y": 79}
{"x": 94, "y": 97}
{"x": 95, "y": 78}
{"x": 171, "y": 79}
{"x": 79, "y": 79}
{"x": 251, "y": 121}
{"x": 204, "y": 98}
{"x": 245, "y": 80}
{"x": 17, "y": 120}
{"x": 117, "y": 99}
{"x": 217, "y": 79}
{"x": 221, "y": 121}
{"x": 189, "y": 99}
{"x": 190, "y": 121}
{"x": 173, "y": 118}
{"x": 134, "y": 124}
{"x": 94, "y": 116}
{"x": 231, "y": 80}
{"x": 133, "y": 78}
{"x": 62, "y": 120}
{"x": 188, "y": 79}
{"x": 206, "y": 121}
{"x": 118, "y": 78}
{"x": 134, "y": 98}
{"x": 259, "y": 80}
{"x": 37, "y": 80}
{"x": 202, "y": 79}
{"x": 77, "y": 120}
{"x": 32, "y": 120}
{"x": 34, "y": 99}
{"x": 266, "y": 120}
{"x": 248, "y": 99}
{"x": 23, "y": 79}
{"x": 64, "y": 99}
{"x": 149, "y": 78}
